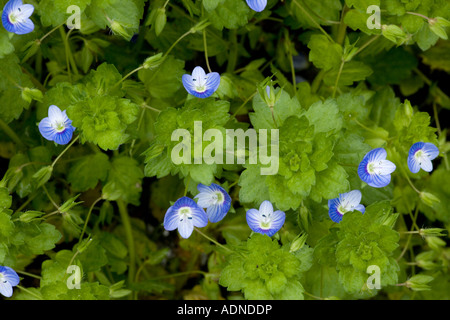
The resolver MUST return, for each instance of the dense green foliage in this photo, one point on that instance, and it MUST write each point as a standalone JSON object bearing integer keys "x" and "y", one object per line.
{"x": 338, "y": 90}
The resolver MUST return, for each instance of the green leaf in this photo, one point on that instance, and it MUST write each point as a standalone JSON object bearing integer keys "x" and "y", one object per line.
{"x": 54, "y": 12}
{"x": 324, "y": 54}
{"x": 230, "y": 14}
{"x": 11, "y": 77}
{"x": 164, "y": 81}
{"x": 124, "y": 180}
{"x": 438, "y": 57}
{"x": 85, "y": 173}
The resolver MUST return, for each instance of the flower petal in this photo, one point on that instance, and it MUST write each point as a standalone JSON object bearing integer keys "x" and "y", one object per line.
{"x": 384, "y": 167}
{"x": 253, "y": 219}
{"x": 212, "y": 81}
{"x": 25, "y": 10}
{"x": 46, "y": 129}
{"x": 413, "y": 164}
{"x": 431, "y": 150}
{"x": 266, "y": 208}
{"x": 257, "y": 5}
{"x": 376, "y": 154}
{"x": 171, "y": 219}
{"x": 333, "y": 212}
{"x": 360, "y": 208}
{"x": 350, "y": 199}
{"x": 198, "y": 75}
{"x": 188, "y": 84}
{"x": 199, "y": 217}
{"x": 278, "y": 218}
{"x": 55, "y": 114}
{"x": 64, "y": 137}
{"x": 24, "y": 27}
{"x": 10, "y": 275}
{"x": 6, "y": 289}
{"x": 185, "y": 228}
{"x": 216, "y": 213}
{"x": 426, "y": 164}
{"x": 379, "y": 181}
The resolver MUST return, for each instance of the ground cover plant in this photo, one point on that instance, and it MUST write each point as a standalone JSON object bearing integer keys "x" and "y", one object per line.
{"x": 224, "y": 149}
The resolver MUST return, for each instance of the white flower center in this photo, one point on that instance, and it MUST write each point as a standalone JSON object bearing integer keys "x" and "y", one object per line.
{"x": 16, "y": 16}
{"x": 420, "y": 156}
{"x": 266, "y": 221}
{"x": 374, "y": 168}
{"x": 218, "y": 197}
{"x": 200, "y": 84}
{"x": 185, "y": 213}
{"x": 59, "y": 126}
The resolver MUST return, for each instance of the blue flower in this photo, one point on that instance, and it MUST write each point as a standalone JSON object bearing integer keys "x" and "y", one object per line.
{"x": 375, "y": 170}
{"x": 420, "y": 156}
{"x": 264, "y": 220}
{"x": 57, "y": 126}
{"x": 184, "y": 215}
{"x": 346, "y": 202}
{"x": 16, "y": 17}
{"x": 8, "y": 279}
{"x": 257, "y": 5}
{"x": 215, "y": 199}
{"x": 200, "y": 84}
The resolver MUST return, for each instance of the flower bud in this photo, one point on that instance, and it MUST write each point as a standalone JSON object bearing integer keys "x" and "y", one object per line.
{"x": 298, "y": 242}
{"x": 31, "y": 215}
{"x": 431, "y": 232}
{"x": 429, "y": 199}
{"x": 154, "y": 61}
{"x": 118, "y": 29}
{"x": 419, "y": 282}
{"x": 394, "y": 33}
{"x": 435, "y": 243}
{"x": 42, "y": 176}
{"x": 32, "y": 94}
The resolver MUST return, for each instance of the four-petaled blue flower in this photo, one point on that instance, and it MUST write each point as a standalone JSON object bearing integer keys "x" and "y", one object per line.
{"x": 215, "y": 199}
{"x": 8, "y": 279}
{"x": 264, "y": 220}
{"x": 16, "y": 17}
{"x": 375, "y": 170}
{"x": 257, "y": 5}
{"x": 346, "y": 202}
{"x": 184, "y": 215}
{"x": 420, "y": 156}
{"x": 200, "y": 84}
{"x": 57, "y": 126}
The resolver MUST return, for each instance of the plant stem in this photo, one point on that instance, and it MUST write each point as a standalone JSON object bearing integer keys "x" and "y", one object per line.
{"x": 212, "y": 240}
{"x": 342, "y": 27}
{"x": 206, "y": 49}
{"x": 313, "y": 20}
{"x": 338, "y": 77}
{"x": 29, "y": 274}
{"x": 418, "y": 14}
{"x": 30, "y": 292}
{"x": 10, "y": 133}
{"x": 64, "y": 151}
{"x": 129, "y": 236}
{"x": 87, "y": 219}
{"x": 317, "y": 81}
{"x": 232, "y": 55}
{"x": 50, "y": 198}
{"x": 242, "y": 105}
{"x": 365, "y": 45}
{"x": 178, "y": 40}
